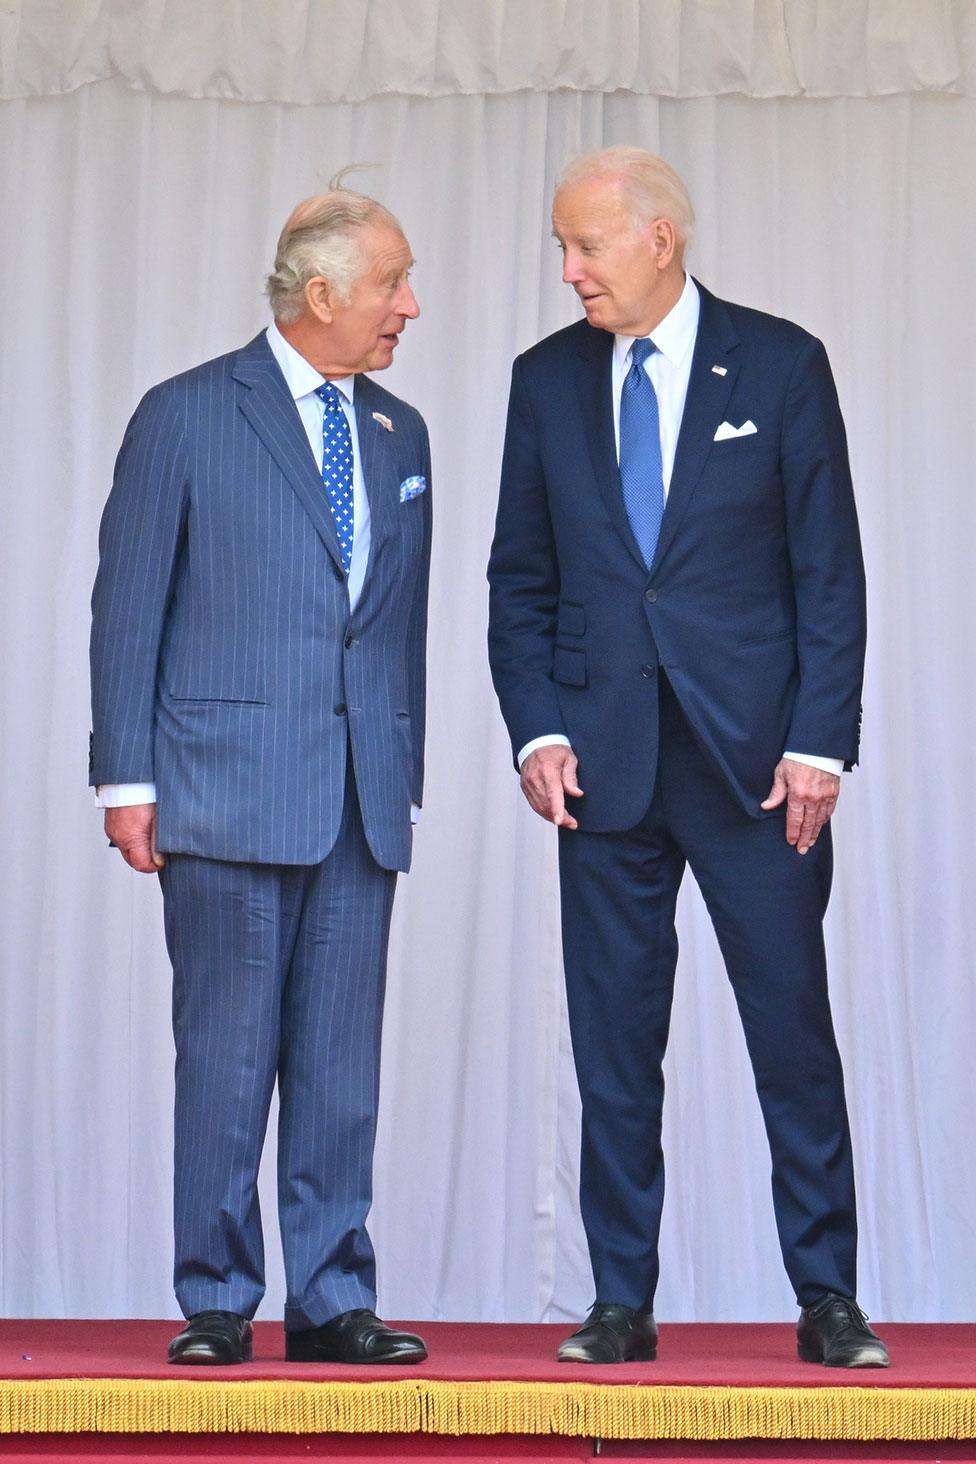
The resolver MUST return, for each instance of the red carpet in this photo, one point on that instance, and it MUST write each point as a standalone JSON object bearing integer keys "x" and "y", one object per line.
{"x": 704, "y": 1355}
{"x": 129, "y": 1448}
{"x": 103, "y": 1390}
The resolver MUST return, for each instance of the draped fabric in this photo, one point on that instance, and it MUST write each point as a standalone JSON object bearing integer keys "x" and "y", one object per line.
{"x": 350, "y": 50}
{"x": 141, "y": 210}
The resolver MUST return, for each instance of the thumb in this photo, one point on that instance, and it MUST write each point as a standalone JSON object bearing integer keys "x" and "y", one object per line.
{"x": 777, "y": 792}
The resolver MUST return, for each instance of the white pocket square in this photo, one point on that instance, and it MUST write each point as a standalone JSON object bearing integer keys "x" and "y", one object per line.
{"x": 412, "y": 488}
{"x": 725, "y": 430}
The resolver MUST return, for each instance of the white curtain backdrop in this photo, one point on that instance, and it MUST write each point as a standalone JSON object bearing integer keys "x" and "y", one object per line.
{"x": 140, "y": 209}
{"x": 347, "y": 50}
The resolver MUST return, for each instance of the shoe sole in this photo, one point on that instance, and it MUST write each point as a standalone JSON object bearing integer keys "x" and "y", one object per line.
{"x": 636, "y": 1354}
{"x": 204, "y": 1356}
{"x": 405, "y": 1359}
{"x": 868, "y": 1358}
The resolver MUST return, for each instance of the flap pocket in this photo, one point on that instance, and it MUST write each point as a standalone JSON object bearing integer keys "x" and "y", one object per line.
{"x": 731, "y": 444}
{"x": 571, "y": 619}
{"x": 218, "y": 701}
{"x": 569, "y": 667}
{"x": 772, "y": 638}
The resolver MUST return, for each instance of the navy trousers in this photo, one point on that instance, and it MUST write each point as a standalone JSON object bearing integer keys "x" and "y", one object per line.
{"x": 767, "y": 905}
{"x": 278, "y": 973}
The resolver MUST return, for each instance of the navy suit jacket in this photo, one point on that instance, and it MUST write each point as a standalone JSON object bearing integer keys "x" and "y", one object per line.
{"x": 226, "y": 666}
{"x": 754, "y": 604}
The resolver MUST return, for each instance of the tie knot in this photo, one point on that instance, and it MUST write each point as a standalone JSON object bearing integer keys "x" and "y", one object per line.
{"x": 641, "y": 349}
{"x": 329, "y": 396}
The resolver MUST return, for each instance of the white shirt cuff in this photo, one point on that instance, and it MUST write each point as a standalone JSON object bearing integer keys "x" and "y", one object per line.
{"x": 555, "y": 739}
{"x": 825, "y": 764}
{"x": 415, "y": 813}
{"x": 121, "y": 795}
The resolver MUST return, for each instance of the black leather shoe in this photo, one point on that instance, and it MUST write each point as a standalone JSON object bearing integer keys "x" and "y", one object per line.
{"x": 835, "y": 1332}
{"x": 216, "y": 1337}
{"x": 612, "y": 1334}
{"x": 353, "y": 1336}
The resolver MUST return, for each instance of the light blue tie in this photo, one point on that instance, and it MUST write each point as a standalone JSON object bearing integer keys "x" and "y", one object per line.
{"x": 641, "y": 471}
{"x": 337, "y": 468}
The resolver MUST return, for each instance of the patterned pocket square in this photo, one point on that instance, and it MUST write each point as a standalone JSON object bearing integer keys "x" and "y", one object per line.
{"x": 725, "y": 430}
{"x": 412, "y": 488}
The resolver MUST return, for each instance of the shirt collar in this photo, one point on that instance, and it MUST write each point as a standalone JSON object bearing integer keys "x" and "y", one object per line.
{"x": 675, "y": 335}
{"x": 301, "y": 377}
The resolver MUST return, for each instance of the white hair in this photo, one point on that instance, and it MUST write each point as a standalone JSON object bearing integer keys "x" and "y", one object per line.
{"x": 652, "y": 188}
{"x": 323, "y": 236}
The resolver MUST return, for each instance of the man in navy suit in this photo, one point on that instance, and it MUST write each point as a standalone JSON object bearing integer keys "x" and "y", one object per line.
{"x": 258, "y": 645}
{"x": 677, "y": 641}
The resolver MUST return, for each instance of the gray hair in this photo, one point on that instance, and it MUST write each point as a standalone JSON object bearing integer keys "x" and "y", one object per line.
{"x": 322, "y": 237}
{"x": 652, "y": 188}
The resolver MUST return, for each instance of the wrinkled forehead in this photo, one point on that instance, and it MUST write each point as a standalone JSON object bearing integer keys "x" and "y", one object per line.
{"x": 384, "y": 248}
{"x": 598, "y": 204}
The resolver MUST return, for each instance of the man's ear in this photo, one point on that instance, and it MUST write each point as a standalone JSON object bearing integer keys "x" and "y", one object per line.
{"x": 663, "y": 240}
{"x": 320, "y": 297}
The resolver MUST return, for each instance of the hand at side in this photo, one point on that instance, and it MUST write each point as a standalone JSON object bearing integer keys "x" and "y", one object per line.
{"x": 132, "y": 830}
{"x": 811, "y": 797}
{"x": 547, "y": 776}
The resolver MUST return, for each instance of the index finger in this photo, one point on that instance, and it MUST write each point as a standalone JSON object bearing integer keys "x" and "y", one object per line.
{"x": 794, "y": 818}
{"x": 555, "y": 796}
{"x": 814, "y": 818}
{"x": 809, "y": 829}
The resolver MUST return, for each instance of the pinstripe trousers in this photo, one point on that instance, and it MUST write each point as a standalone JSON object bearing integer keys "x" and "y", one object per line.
{"x": 278, "y": 972}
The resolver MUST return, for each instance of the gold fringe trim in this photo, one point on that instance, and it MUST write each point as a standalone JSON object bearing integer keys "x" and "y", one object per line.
{"x": 115, "y": 1405}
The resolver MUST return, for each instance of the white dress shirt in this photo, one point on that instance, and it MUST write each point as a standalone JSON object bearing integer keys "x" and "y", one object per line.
{"x": 669, "y": 367}
{"x": 302, "y": 379}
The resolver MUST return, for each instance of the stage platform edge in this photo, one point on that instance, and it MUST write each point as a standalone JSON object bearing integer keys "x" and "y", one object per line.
{"x": 430, "y": 1406}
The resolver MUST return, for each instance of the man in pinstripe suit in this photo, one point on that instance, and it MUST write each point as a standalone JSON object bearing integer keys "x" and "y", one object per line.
{"x": 258, "y": 641}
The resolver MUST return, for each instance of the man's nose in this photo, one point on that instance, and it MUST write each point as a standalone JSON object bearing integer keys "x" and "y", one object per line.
{"x": 407, "y": 305}
{"x": 572, "y": 269}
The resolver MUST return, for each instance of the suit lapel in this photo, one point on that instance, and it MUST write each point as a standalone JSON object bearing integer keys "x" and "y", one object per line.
{"x": 376, "y": 455}
{"x": 269, "y": 408}
{"x": 594, "y": 386}
{"x": 705, "y": 403}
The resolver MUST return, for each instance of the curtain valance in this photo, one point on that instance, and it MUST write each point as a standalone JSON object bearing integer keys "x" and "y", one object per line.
{"x": 308, "y": 51}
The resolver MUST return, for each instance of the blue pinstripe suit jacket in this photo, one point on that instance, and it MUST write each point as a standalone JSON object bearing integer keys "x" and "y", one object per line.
{"x": 226, "y": 665}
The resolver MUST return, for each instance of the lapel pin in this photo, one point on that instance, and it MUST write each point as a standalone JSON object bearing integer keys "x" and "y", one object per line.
{"x": 720, "y": 370}
{"x": 383, "y": 421}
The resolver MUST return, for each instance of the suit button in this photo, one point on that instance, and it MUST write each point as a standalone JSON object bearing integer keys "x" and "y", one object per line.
{"x": 651, "y": 596}
{"x": 338, "y": 571}
{"x": 647, "y": 670}
{"x": 350, "y": 641}
{"x": 340, "y": 710}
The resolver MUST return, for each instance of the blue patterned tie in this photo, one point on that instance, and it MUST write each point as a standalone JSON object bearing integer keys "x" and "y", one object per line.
{"x": 641, "y": 472}
{"x": 337, "y": 467}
